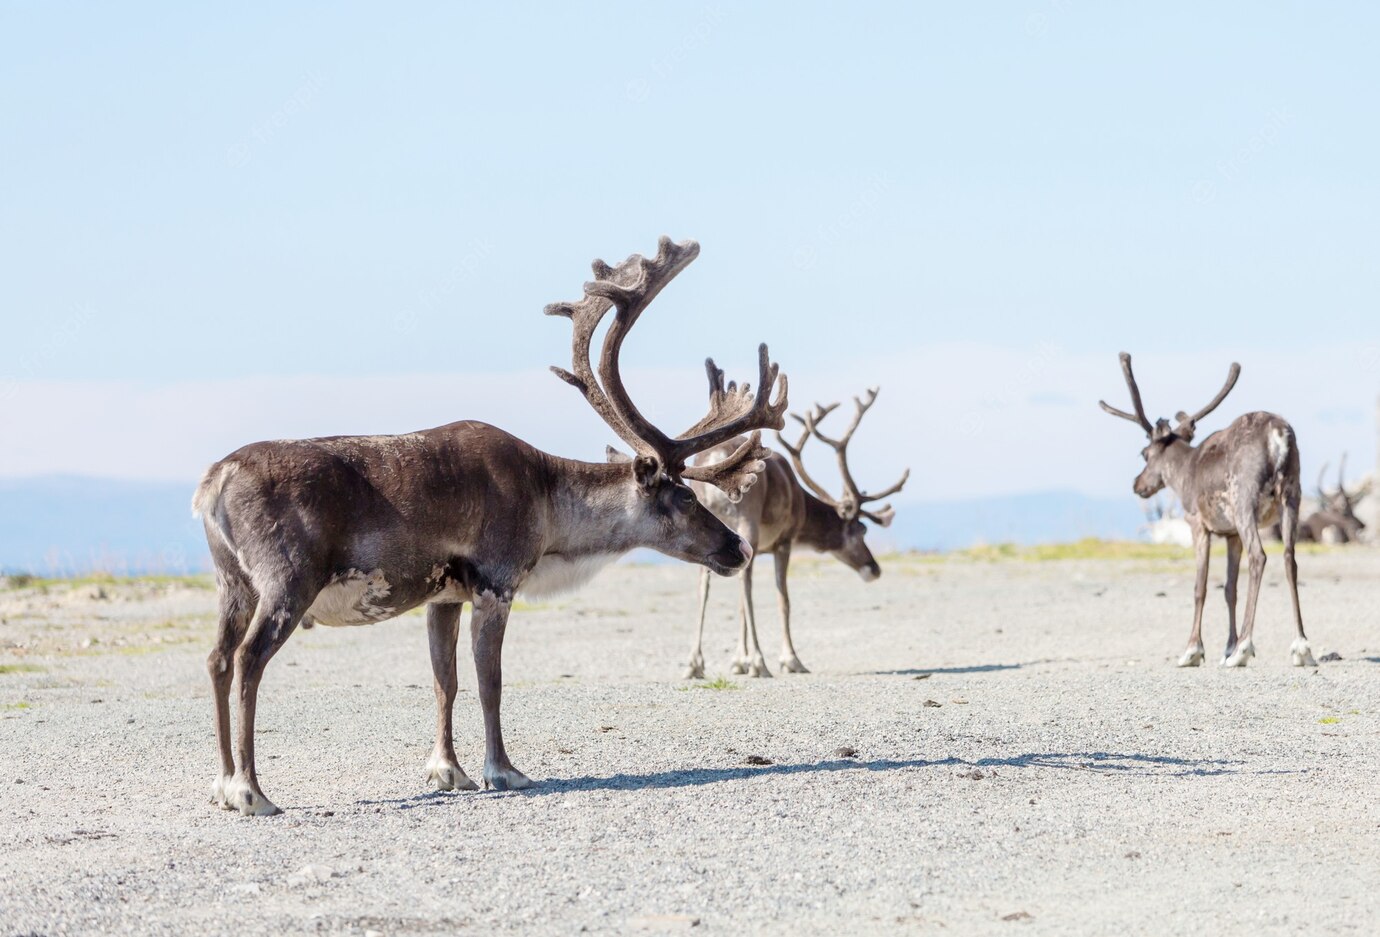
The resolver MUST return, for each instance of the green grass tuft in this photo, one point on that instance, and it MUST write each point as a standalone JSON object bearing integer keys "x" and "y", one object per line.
{"x": 718, "y": 683}
{"x": 21, "y": 668}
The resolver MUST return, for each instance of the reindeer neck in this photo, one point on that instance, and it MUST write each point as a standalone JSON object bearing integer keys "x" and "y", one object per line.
{"x": 822, "y": 528}
{"x": 594, "y": 508}
{"x": 1180, "y": 465}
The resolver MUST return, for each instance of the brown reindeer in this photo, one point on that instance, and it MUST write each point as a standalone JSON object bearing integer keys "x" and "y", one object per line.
{"x": 1238, "y": 480}
{"x": 1336, "y": 511}
{"x": 776, "y": 515}
{"x": 352, "y": 530}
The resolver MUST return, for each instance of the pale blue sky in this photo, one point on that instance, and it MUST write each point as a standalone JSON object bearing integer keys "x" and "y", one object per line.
{"x": 194, "y": 195}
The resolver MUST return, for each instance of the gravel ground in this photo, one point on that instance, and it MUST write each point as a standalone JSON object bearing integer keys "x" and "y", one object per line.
{"x": 983, "y": 747}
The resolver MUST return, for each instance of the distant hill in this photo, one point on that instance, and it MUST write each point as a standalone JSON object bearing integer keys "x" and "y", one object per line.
{"x": 63, "y": 525}
{"x": 1040, "y": 517}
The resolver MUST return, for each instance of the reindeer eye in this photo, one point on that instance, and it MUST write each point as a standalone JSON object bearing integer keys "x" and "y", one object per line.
{"x": 685, "y": 497}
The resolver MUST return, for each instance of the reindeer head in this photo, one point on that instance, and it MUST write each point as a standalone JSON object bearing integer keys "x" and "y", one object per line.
{"x": 1162, "y": 437}
{"x": 852, "y": 550}
{"x": 1342, "y": 503}
{"x": 674, "y": 520}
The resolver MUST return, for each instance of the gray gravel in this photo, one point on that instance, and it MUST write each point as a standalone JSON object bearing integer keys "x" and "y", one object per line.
{"x": 1070, "y": 779}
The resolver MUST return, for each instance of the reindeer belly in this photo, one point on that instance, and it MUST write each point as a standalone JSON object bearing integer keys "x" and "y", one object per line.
{"x": 356, "y": 598}
{"x": 555, "y": 574}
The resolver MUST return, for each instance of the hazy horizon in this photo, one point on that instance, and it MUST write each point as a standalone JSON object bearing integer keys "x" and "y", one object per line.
{"x": 292, "y": 222}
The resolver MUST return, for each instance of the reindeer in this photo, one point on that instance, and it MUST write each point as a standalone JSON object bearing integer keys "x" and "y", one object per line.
{"x": 353, "y": 530}
{"x": 776, "y": 515}
{"x": 1336, "y": 511}
{"x": 1238, "y": 480}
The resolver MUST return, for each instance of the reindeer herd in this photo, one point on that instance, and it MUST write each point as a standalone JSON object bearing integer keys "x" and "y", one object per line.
{"x": 354, "y": 530}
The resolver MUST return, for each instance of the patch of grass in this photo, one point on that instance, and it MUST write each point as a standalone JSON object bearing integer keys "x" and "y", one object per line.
{"x": 1330, "y": 720}
{"x": 27, "y": 581}
{"x": 19, "y": 706}
{"x": 21, "y": 668}
{"x": 718, "y": 683}
{"x": 1089, "y": 548}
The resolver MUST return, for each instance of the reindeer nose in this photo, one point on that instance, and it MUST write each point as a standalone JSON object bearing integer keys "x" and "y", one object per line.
{"x": 746, "y": 549}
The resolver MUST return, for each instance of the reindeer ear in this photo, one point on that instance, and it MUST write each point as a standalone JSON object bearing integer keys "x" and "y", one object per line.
{"x": 646, "y": 471}
{"x": 616, "y": 457}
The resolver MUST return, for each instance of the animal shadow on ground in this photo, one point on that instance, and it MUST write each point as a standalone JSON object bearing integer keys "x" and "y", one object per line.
{"x": 1123, "y": 764}
{"x": 972, "y": 668}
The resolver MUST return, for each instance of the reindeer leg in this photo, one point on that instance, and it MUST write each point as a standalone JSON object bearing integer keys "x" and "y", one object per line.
{"x": 487, "y": 625}
{"x": 695, "y": 670}
{"x": 236, "y": 601}
{"x": 1229, "y": 590}
{"x": 750, "y": 659}
{"x": 790, "y": 662}
{"x": 1202, "y": 542}
{"x": 443, "y": 632}
{"x": 1255, "y": 550}
{"x": 274, "y": 620}
{"x": 1299, "y": 652}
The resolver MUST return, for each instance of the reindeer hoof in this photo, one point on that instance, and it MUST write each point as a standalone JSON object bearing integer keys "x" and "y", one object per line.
{"x": 240, "y": 795}
{"x": 218, "y": 789}
{"x": 1240, "y": 656}
{"x": 758, "y": 668}
{"x": 1192, "y": 657}
{"x": 1301, "y": 654}
{"x": 738, "y": 667}
{"x": 506, "y": 779}
{"x": 447, "y": 775}
{"x": 695, "y": 669}
{"x": 792, "y": 664}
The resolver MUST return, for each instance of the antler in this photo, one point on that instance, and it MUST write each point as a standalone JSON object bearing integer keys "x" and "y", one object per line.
{"x": 1349, "y": 498}
{"x": 1324, "y": 499}
{"x": 1139, "y": 416}
{"x": 731, "y": 406}
{"x": 629, "y": 288}
{"x": 819, "y": 413}
{"x": 850, "y": 505}
{"x": 1187, "y": 424}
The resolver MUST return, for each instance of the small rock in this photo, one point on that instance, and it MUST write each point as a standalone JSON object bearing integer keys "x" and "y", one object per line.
{"x": 922, "y": 676}
{"x": 961, "y": 702}
{"x": 845, "y": 752}
{"x": 1018, "y": 916}
{"x": 757, "y": 760}
{"x": 974, "y": 775}
{"x": 664, "y": 922}
{"x": 1133, "y": 855}
{"x": 1330, "y": 657}
{"x": 933, "y": 703}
